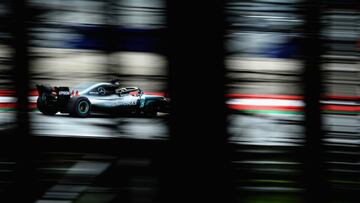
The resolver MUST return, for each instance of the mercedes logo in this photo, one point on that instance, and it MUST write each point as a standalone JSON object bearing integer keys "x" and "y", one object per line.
{"x": 101, "y": 91}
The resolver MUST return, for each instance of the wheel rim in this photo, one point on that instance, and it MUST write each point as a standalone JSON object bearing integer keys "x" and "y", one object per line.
{"x": 83, "y": 107}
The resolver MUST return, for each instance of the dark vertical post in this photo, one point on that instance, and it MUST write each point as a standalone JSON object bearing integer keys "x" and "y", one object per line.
{"x": 197, "y": 167}
{"x": 20, "y": 64}
{"x": 314, "y": 181}
{"x": 23, "y": 190}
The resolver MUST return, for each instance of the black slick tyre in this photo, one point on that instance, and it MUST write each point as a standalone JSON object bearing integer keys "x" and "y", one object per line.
{"x": 79, "y": 107}
{"x": 43, "y": 108}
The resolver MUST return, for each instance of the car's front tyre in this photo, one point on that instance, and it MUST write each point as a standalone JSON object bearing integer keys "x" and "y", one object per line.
{"x": 151, "y": 110}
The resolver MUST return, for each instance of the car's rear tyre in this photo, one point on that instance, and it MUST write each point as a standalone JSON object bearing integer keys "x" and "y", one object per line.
{"x": 43, "y": 108}
{"x": 79, "y": 107}
{"x": 151, "y": 110}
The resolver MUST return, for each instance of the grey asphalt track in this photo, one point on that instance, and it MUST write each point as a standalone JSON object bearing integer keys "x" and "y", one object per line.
{"x": 100, "y": 126}
{"x": 282, "y": 130}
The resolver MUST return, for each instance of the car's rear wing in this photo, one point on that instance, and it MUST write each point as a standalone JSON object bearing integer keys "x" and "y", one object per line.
{"x": 52, "y": 90}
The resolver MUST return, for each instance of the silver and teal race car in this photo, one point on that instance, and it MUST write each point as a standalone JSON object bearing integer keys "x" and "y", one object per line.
{"x": 104, "y": 97}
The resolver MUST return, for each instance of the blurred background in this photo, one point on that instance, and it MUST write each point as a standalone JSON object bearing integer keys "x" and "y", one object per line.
{"x": 265, "y": 101}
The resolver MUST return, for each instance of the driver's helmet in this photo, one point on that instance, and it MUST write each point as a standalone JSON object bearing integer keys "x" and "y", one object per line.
{"x": 115, "y": 82}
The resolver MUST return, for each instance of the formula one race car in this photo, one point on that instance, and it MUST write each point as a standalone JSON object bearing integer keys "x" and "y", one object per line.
{"x": 107, "y": 97}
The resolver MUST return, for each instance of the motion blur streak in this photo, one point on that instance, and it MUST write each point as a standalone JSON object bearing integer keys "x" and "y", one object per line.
{"x": 341, "y": 76}
{"x": 271, "y": 60}
{"x": 265, "y": 101}
{"x": 8, "y": 119}
{"x": 263, "y": 46}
